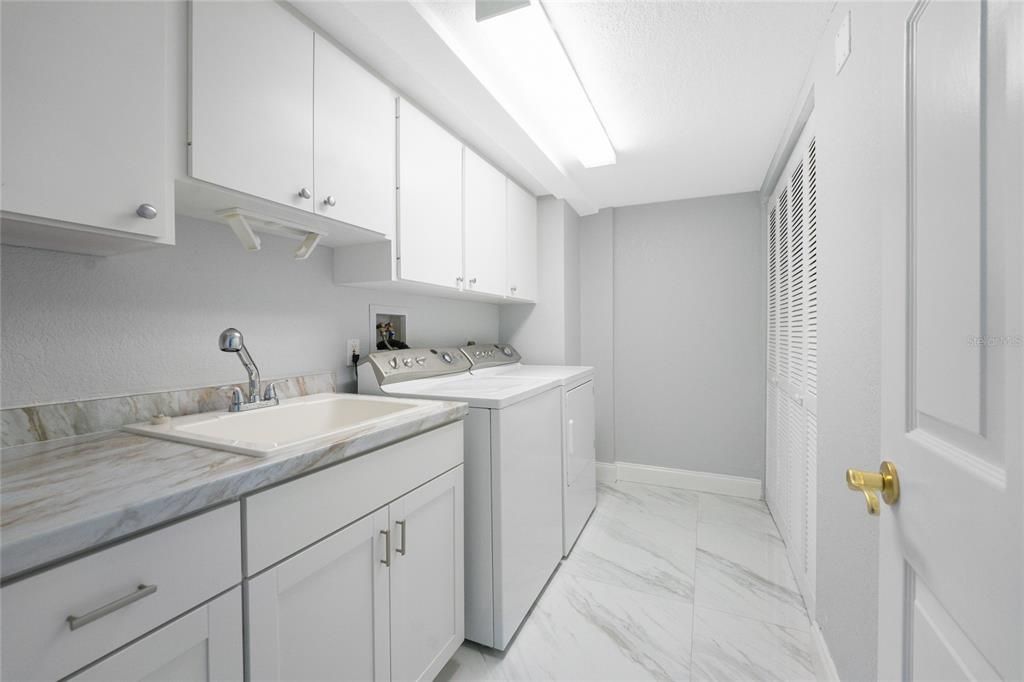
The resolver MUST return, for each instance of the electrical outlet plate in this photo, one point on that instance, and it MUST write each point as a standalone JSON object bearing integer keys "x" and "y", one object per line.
{"x": 353, "y": 348}
{"x": 843, "y": 43}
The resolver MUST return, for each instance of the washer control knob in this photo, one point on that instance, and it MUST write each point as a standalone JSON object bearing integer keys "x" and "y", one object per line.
{"x": 421, "y": 360}
{"x": 407, "y": 362}
{"x": 393, "y": 362}
{"x": 446, "y": 357}
{"x": 507, "y": 351}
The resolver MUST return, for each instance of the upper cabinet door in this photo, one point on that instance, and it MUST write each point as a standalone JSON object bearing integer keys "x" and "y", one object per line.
{"x": 252, "y": 100}
{"x": 485, "y": 227}
{"x": 354, "y": 134}
{"x": 522, "y": 243}
{"x": 430, "y": 201}
{"x": 85, "y": 114}
{"x": 427, "y": 587}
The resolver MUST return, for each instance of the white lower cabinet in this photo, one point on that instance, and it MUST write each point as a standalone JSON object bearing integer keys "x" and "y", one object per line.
{"x": 380, "y": 599}
{"x": 205, "y": 644}
{"x": 427, "y": 595}
{"x": 323, "y": 614}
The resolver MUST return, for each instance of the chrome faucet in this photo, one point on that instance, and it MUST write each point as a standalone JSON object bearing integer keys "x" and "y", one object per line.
{"x": 231, "y": 342}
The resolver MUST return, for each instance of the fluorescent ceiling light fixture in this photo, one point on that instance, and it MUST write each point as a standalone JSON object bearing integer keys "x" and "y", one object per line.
{"x": 519, "y": 58}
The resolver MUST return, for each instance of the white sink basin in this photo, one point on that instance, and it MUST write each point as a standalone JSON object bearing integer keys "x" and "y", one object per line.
{"x": 269, "y": 430}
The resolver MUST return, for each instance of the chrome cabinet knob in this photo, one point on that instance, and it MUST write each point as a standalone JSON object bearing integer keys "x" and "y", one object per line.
{"x": 472, "y": 281}
{"x": 330, "y": 200}
{"x": 304, "y": 193}
{"x": 514, "y": 289}
{"x": 147, "y": 211}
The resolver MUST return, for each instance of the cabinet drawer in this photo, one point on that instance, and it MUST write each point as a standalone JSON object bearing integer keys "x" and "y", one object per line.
{"x": 282, "y": 520}
{"x": 187, "y": 562}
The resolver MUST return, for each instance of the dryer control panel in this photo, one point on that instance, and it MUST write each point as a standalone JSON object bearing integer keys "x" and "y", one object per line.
{"x": 491, "y": 354}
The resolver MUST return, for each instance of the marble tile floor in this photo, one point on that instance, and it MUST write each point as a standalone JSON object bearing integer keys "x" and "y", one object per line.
{"x": 664, "y": 584}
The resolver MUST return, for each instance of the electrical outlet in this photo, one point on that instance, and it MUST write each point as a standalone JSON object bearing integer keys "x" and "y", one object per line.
{"x": 353, "y": 349}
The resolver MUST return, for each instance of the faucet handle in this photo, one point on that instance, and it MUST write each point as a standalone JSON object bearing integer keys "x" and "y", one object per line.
{"x": 236, "y": 397}
{"x": 270, "y": 391}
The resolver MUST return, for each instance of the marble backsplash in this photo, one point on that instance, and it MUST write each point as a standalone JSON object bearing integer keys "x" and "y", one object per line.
{"x": 21, "y": 425}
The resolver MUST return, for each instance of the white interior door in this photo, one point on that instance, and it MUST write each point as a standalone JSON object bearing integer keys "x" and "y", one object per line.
{"x": 427, "y": 588}
{"x": 950, "y": 593}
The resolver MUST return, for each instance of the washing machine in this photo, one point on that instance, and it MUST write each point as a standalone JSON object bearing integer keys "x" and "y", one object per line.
{"x": 579, "y": 453}
{"x": 513, "y": 478}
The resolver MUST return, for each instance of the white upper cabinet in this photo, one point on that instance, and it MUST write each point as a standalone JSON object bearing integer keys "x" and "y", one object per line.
{"x": 430, "y": 201}
{"x": 252, "y": 100}
{"x": 85, "y": 120}
{"x": 485, "y": 230}
{"x": 354, "y": 142}
{"x": 522, "y": 243}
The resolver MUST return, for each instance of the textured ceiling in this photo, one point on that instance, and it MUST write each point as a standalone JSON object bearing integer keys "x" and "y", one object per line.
{"x": 694, "y": 95}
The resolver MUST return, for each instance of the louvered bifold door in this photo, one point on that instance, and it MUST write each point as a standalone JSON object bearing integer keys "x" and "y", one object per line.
{"x": 792, "y": 358}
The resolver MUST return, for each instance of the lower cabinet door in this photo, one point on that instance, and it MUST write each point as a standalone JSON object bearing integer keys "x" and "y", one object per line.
{"x": 323, "y": 613}
{"x": 204, "y": 644}
{"x": 427, "y": 598}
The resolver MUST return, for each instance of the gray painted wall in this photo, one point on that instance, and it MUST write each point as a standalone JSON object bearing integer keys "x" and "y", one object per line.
{"x": 82, "y": 327}
{"x": 597, "y": 316}
{"x": 689, "y": 296}
{"x": 858, "y": 124}
{"x": 547, "y": 333}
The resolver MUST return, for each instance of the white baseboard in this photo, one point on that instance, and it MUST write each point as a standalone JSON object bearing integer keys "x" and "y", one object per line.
{"x": 721, "y": 484}
{"x": 607, "y": 473}
{"x": 824, "y": 666}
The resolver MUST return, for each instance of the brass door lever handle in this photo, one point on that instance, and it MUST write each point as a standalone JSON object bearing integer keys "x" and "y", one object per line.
{"x": 886, "y": 482}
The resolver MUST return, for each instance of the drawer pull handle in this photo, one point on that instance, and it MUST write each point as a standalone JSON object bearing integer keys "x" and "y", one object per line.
{"x": 401, "y": 550}
{"x": 387, "y": 547}
{"x": 75, "y": 622}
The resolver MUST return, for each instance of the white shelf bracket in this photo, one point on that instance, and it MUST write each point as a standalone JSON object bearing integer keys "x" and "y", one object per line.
{"x": 245, "y": 224}
{"x": 242, "y": 229}
{"x": 307, "y": 246}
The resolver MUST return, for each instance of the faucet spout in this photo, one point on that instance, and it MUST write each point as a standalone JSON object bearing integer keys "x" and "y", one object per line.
{"x": 254, "y": 374}
{"x": 231, "y": 342}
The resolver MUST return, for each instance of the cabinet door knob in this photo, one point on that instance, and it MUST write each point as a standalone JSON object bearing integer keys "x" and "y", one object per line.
{"x": 304, "y": 193}
{"x": 330, "y": 200}
{"x": 514, "y": 289}
{"x": 147, "y": 211}
{"x": 472, "y": 281}
{"x": 458, "y": 281}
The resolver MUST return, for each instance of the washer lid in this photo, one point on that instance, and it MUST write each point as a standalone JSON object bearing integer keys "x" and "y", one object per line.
{"x": 479, "y": 391}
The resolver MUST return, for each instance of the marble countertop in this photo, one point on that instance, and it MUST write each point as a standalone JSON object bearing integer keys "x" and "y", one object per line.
{"x": 62, "y": 497}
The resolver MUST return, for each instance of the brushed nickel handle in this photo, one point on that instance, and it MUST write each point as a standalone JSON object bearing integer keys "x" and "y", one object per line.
{"x": 142, "y": 591}
{"x": 401, "y": 550}
{"x": 147, "y": 211}
{"x": 387, "y": 547}
{"x": 330, "y": 200}
{"x": 304, "y": 193}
